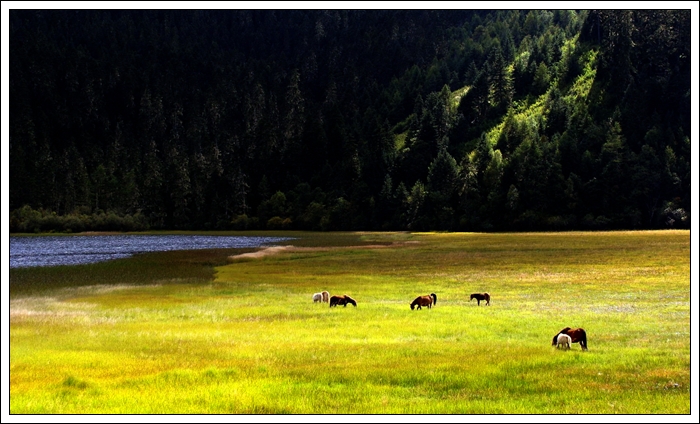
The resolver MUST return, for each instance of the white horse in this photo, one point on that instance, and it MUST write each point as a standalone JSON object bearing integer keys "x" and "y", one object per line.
{"x": 325, "y": 296}
{"x": 563, "y": 341}
{"x": 318, "y": 297}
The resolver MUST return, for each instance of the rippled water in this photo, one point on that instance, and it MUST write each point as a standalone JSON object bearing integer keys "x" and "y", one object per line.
{"x": 75, "y": 250}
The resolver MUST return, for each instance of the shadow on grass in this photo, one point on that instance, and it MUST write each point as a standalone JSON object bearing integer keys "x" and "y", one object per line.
{"x": 148, "y": 268}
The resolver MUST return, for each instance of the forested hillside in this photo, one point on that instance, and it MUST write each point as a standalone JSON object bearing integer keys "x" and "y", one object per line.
{"x": 348, "y": 120}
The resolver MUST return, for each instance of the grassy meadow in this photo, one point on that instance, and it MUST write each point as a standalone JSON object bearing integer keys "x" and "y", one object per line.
{"x": 199, "y": 333}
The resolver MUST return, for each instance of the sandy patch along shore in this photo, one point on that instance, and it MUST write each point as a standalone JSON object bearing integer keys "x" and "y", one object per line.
{"x": 273, "y": 250}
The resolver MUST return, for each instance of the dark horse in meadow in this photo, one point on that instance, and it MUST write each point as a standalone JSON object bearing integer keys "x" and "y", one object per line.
{"x": 479, "y": 297}
{"x": 578, "y": 335}
{"x": 342, "y": 299}
{"x": 428, "y": 301}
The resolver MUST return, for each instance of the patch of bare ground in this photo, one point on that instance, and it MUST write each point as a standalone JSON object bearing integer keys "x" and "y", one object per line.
{"x": 273, "y": 250}
{"x": 98, "y": 233}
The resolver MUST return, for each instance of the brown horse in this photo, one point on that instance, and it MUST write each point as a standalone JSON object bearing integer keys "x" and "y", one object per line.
{"x": 342, "y": 299}
{"x": 479, "y": 297}
{"x": 427, "y": 300}
{"x": 578, "y": 335}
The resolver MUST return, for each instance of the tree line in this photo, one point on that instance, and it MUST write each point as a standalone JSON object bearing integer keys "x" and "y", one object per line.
{"x": 347, "y": 120}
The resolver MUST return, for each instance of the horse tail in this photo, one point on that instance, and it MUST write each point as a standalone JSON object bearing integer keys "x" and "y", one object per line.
{"x": 434, "y": 298}
{"x": 584, "y": 340}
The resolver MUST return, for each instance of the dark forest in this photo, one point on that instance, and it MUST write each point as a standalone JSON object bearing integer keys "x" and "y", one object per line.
{"x": 455, "y": 120}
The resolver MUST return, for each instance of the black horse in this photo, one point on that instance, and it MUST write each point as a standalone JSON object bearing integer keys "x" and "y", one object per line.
{"x": 479, "y": 297}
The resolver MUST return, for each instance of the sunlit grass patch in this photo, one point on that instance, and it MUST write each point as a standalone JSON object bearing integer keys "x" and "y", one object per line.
{"x": 581, "y": 88}
{"x": 457, "y": 95}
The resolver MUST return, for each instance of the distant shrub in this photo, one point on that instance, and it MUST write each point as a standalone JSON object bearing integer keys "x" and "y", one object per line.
{"x": 675, "y": 217}
{"x": 28, "y": 220}
{"x": 277, "y": 223}
{"x": 25, "y": 220}
{"x": 315, "y": 217}
{"x": 74, "y": 224}
{"x": 240, "y": 222}
{"x": 557, "y": 223}
{"x": 600, "y": 222}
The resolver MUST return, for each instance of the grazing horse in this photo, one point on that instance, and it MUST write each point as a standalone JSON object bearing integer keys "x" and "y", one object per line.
{"x": 578, "y": 335}
{"x": 342, "y": 299}
{"x": 479, "y": 297}
{"x": 325, "y": 296}
{"x": 563, "y": 341}
{"x": 428, "y": 301}
{"x": 318, "y": 297}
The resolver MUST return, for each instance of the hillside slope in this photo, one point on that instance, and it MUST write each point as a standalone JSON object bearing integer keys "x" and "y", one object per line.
{"x": 336, "y": 120}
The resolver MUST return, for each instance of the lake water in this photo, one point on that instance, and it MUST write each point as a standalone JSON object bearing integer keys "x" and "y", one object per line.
{"x": 76, "y": 250}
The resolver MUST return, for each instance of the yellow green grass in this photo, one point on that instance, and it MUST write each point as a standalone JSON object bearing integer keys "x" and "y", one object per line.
{"x": 243, "y": 336}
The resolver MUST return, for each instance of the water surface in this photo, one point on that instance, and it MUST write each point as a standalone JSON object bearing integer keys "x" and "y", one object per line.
{"x": 76, "y": 250}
